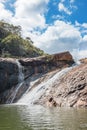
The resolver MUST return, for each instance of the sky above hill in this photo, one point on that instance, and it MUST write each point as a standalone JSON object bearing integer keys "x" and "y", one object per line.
{"x": 54, "y": 25}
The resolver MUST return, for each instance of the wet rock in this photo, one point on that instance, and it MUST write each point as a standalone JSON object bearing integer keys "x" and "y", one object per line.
{"x": 8, "y": 74}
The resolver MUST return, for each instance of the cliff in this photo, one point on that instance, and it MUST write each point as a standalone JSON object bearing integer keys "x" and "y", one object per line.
{"x": 49, "y": 81}
{"x": 9, "y": 70}
{"x": 8, "y": 73}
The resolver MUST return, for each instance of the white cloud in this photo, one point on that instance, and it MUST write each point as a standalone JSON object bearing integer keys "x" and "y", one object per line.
{"x": 62, "y": 1}
{"x": 81, "y": 27}
{"x": 82, "y": 54}
{"x": 59, "y": 17}
{"x": 84, "y": 25}
{"x": 59, "y": 37}
{"x": 81, "y": 51}
{"x": 1, "y": 1}
{"x": 83, "y": 45}
{"x": 72, "y": 1}
{"x": 62, "y": 7}
{"x": 85, "y": 38}
{"x": 67, "y": 6}
{"x": 79, "y": 54}
{"x": 31, "y": 12}
{"x": 5, "y": 14}
{"x": 62, "y": 36}
{"x": 28, "y": 14}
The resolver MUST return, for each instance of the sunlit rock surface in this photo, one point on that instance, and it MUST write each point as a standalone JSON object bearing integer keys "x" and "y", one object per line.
{"x": 69, "y": 90}
{"x": 45, "y": 64}
{"x": 49, "y": 81}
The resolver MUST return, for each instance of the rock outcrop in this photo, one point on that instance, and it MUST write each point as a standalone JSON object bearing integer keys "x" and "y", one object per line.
{"x": 51, "y": 80}
{"x": 8, "y": 73}
{"x": 31, "y": 66}
{"x": 45, "y": 64}
{"x": 69, "y": 90}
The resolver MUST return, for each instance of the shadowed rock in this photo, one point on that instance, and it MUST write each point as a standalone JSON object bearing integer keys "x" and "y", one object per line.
{"x": 8, "y": 73}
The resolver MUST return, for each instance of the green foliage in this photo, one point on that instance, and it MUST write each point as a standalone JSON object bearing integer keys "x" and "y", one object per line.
{"x": 6, "y": 29}
{"x": 49, "y": 58}
{"x": 13, "y": 45}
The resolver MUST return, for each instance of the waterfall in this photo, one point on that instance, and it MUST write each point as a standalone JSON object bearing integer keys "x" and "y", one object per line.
{"x": 76, "y": 56}
{"x": 41, "y": 87}
{"x": 16, "y": 91}
{"x": 21, "y": 75}
{"x": 20, "y": 80}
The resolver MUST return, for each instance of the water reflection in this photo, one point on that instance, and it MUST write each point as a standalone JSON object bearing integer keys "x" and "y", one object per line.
{"x": 41, "y": 118}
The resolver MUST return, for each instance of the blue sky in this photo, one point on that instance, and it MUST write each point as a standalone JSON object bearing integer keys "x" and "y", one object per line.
{"x": 78, "y": 9}
{"x": 53, "y": 25}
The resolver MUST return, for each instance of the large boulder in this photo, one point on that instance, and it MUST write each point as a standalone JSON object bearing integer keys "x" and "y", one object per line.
{"x": 47, "y": 63}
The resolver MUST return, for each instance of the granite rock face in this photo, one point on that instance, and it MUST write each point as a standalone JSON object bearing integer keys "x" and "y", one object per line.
{"x": 8, "y": 73}
{"x": 45, "y": 64}
{"x": 55, "y": 82}
{"x": 70, "y": 90}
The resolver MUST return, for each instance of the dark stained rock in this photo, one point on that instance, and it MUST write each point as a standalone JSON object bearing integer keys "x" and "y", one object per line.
{"x": 8, "y": 74}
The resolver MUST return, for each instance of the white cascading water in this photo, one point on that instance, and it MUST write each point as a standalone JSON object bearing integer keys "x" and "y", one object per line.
{"x": 20, "y": 80}
{"x": 36, "y": 92}
{"x": 21, "y": 75}
{"x": 76, "y": 55}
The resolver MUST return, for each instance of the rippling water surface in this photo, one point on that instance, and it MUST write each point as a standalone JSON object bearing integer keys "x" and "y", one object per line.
{"x": 14, "y": 117}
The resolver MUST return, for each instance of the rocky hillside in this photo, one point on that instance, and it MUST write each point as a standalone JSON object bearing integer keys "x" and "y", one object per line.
{"x": 13, "y": 45}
